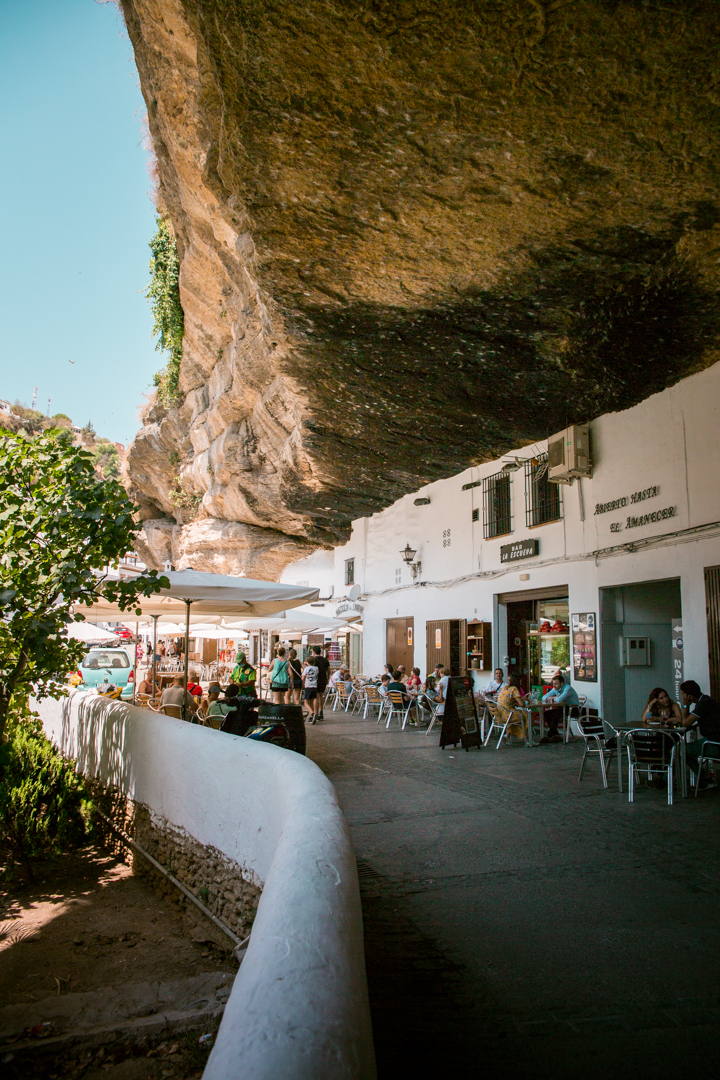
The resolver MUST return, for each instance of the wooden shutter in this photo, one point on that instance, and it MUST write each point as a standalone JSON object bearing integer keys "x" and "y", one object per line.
{"x": 435, "y": 655}
{"x": 712, "y": 601}
{"x": 462, "y": 642}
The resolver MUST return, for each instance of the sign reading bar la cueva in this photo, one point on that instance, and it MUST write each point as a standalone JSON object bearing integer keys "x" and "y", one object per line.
{"x": 521, "y": 549}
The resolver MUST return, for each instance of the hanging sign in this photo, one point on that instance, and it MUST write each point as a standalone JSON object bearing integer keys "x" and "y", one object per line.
{"x": 677, "y": 657}
{"x": 584, "y": 647}
{"x": 521, "y": 549}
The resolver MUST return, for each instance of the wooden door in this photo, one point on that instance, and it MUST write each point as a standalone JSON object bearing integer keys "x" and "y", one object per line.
{"x": 712, "y": 601}
{"x": 437, "y": 644}
{"x": 463, "y": 664}
{"x": 400, "y": 642}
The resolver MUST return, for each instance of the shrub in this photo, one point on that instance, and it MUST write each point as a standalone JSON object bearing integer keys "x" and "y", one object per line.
{"x": 41, "y": 799}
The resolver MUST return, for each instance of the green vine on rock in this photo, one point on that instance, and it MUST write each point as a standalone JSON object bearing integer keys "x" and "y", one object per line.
{"x": 163, "y": 292}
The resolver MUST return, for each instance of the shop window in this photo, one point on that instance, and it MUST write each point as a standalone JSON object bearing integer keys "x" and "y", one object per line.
{"x": 542, "y": 499}
{"x": 349, "y": 571}
{"x": 496, "y": 505}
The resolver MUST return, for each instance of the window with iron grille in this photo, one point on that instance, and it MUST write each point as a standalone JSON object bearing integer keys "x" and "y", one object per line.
{"x": 542, "y": 499}
{"x": 349, "y": 571}
{"x": 497, "y": 519}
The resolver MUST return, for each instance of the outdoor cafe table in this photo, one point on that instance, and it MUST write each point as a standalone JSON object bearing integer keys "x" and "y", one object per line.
{"x": 541, "y": 708}
{"x": 619, "y": 732}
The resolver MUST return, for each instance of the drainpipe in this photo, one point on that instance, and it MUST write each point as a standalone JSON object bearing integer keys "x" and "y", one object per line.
{"x": 154, "y": 655}
{"x": 187, "y": 652}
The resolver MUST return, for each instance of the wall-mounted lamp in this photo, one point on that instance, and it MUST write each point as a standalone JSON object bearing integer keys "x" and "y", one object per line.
{"x": 408, "y": 554}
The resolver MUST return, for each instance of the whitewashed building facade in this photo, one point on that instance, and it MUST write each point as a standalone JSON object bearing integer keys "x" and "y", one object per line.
{"x": 614, "y": 578}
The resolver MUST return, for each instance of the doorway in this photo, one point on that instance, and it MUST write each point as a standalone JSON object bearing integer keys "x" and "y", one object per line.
{"x": 647, "y": 609}
{"x": 538, "y": 636}
{"x": 400, "y": 642}
{"x": 446, "y": 644}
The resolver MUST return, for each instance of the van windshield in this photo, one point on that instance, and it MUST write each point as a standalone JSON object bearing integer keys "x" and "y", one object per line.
{"x": 98, "y": 659}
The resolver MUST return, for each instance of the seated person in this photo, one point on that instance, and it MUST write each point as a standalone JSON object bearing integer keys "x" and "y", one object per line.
{"x": 403, "y": 674}
{"x": 384, "y": 683}
{"x": 414, "y": 681}
{"x": 496, "y": 683}
{"x": 213, "y": 709}
{"x": 339, "y": 676}
{"x": 145, "y": 686}
{"x": 660, "y": 708}
{"x": 510, "y": 697}
{"x": 176, "y": 694}
{"x": 244, "y": 676}
{"x": 700, "y": 709}
{"x": 195, "y": 689}
{"x": 399, "y": 685}
{"x": 561, "y": 693}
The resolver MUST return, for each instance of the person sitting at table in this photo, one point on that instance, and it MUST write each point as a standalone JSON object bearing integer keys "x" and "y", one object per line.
{"x": 402, "y": 672}
{"x": 700, "y": 709}
{"x": 414, "y": 681}
{"x": 398, "y": 685}
{"x": 660, "y": 708}
{"x": 496, "y": 683}
{"x": 339, "y": 676}
{"x": 509, "y": 698}
{"x": 213, "y": 709}
{"x": 562, "y": 694}
{"x": 176, "y": 694}
{"x": 145, "y": 685}
{"x": 384, "y": 683}
{"x": 195, "y": 689}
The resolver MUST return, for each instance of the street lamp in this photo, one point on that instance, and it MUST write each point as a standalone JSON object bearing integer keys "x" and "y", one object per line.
{"x": 407, "y": 555}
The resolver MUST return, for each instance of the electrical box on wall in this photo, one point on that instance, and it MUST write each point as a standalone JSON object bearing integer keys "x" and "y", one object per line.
{"x": 635, "y": 652}
{"x": 569, "y": 454}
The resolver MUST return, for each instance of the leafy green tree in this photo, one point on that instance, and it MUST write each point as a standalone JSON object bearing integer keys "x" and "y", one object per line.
{"x": 60, "y": 527}
{"x": 106, "y": 459}
{"x": 163, "y": 292}
{"x": 61, "y": 419}
{"x": 88, "y": 434}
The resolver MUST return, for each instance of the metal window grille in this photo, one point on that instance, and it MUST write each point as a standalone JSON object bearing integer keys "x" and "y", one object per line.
{"x": 349, "y": 571}
{"x": 497, "y": 519}
{"x": 542, "y": 499}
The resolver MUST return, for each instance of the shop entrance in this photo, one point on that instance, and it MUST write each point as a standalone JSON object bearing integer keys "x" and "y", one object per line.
{"x": 649, "y": 610}
{"x": 538, "y": 635}
{"x": 446, "y": 644}
{"x": 400, "y": 642}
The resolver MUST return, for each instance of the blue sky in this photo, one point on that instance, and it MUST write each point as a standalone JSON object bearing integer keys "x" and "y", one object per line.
{"x": 75, "y": 215}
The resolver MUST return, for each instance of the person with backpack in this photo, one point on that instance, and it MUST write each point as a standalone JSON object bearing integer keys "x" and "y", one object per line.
{"x": 323, "y": 665}
{"x": 295, "y": 672}
{"x": 279, "y": 677}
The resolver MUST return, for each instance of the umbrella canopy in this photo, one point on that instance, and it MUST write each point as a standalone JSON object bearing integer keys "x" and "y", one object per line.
{"x": 212, "y": 595}
{"x": 85, "y": 631}
{"x": 301, "y": 621}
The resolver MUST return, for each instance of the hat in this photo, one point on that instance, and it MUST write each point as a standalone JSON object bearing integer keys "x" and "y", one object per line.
{"x": 214, "y": 688}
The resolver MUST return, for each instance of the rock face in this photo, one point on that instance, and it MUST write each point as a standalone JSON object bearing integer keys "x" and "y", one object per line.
{"x": 413, "y": 236}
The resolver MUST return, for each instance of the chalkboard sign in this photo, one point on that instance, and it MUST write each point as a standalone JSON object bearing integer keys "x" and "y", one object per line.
{"x": 460, "y": 719}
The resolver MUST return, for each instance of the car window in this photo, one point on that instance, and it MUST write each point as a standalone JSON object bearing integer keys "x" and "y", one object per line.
{"x": 106, "y": 660}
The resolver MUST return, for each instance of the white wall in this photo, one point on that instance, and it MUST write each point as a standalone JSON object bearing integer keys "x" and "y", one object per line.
{"x": 298, "y": 1008}
{"x": 671, "y": 440}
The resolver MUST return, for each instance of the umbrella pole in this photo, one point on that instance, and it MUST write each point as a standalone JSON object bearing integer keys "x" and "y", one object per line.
{"x": 187, "y": 657}
{"x": 137, "y": 639}
{"x": 154, "y": 659}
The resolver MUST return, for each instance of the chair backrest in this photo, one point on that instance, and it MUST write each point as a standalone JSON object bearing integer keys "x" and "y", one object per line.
{"x": 650, "y": 747}
{"x": 493, "y": 708}
{"x": 396, "y": 697}
{"x": 591, "y": 725}
{"x": 173, "y": 710}
{"x": 373, "y": 694}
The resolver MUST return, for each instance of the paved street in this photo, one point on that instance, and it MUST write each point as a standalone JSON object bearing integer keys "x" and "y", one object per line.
{"x": 519, "y": 923}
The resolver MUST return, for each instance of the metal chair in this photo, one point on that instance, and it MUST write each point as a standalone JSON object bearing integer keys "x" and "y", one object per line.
{"x": 652, "y": 751}
{"x": 501, "y": 723}
{"x": 173, "y": 710}
{"x": 592, "y": 731}
{"x": 343, "y": 696}
{"x": 706, "y": 757}
{"x": 372, "y": 698}
{"x": 426, "y": 702}
{"x": 397, "y": 705}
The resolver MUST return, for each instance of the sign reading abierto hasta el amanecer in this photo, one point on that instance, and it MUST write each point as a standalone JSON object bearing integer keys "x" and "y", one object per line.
{"x": 521, "y": 549}
{"x": 460, "y": 719}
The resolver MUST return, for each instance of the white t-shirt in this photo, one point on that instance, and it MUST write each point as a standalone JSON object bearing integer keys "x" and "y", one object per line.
{"x": 310, "y": 675}
{"x": 442, "y": 688}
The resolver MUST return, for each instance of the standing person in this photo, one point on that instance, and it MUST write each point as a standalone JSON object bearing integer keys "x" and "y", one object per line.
{"x": 310, "y": 675}
{"x": 323, "y": 665}
{"x": 700, "y": 709}
{"x": 295, "y": 672}
{"x": 244, "y": 676}
{"x": 279, "y": 677}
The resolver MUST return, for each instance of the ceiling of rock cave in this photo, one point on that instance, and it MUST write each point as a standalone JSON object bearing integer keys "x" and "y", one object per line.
{"x": 474, "y": 222}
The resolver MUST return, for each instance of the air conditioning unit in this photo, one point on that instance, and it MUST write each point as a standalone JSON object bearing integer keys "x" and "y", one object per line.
{"x": 569, "y": 454}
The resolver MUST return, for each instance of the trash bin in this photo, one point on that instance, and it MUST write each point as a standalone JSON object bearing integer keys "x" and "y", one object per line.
{"x": 289, "y": 715}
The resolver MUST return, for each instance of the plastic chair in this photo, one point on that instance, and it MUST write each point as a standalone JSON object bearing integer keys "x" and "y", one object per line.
{"x": 706, "y": 757}
{"x": 653, "y": 751}
{"x": 501, "y": 723}
{"x": 592, "y": 731}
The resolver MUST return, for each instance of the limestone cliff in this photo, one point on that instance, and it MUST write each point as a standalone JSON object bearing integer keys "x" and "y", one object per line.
{"x": 413, "y": 236}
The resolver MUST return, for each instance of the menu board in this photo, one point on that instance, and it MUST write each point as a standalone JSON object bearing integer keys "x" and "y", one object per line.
{"x": 460, "y": 720}
{"x": 584, "y": 647}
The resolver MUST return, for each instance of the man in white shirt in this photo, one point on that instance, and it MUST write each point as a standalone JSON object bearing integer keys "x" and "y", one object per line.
{"x": 496, "y": 683}
{"x": 341, "y": 675}
{"x": 441, "y": 689}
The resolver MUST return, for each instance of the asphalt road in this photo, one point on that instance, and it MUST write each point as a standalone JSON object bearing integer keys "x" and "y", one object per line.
{"x": 521, "y": 924}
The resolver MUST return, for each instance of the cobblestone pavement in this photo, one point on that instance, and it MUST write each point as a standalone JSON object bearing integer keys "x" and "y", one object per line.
{"x": 521, "y": 924}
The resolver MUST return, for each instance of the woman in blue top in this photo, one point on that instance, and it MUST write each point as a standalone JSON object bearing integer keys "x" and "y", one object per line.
{"x": 279, "y": 680}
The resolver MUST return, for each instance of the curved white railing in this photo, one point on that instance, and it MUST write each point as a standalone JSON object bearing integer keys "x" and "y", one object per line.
{"x": 298, "y": 1009}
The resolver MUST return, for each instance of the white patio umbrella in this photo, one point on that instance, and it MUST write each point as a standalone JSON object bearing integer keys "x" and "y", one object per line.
{"x": 213, "y": 595}
{"x": 85, "y": 631}
{"x": 295, "y": 620}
